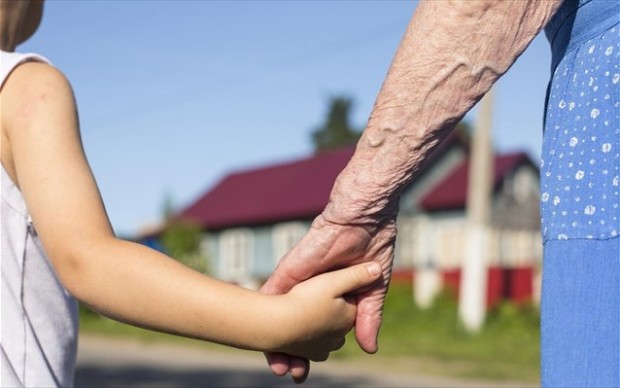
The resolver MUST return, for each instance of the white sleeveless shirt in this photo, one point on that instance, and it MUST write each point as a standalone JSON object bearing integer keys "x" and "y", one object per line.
{"x": 38, "y": 330}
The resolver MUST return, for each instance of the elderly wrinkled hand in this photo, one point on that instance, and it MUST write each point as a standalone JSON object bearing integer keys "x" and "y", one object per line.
{"x": 328, "y": 245}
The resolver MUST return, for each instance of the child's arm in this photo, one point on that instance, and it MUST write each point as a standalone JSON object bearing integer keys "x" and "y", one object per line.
{"x": 42, "y": 151}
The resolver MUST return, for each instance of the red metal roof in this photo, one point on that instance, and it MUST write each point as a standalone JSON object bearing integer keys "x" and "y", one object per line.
{"x": 300, "y": 189}
{"x": 451, "y": 192}
{"x": 288, "y": 191}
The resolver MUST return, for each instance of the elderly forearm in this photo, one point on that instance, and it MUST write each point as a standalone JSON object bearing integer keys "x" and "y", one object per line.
{"x": 450, "y": 56}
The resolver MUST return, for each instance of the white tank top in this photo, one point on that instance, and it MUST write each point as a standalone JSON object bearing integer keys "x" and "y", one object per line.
{"x": 38, "y": 325}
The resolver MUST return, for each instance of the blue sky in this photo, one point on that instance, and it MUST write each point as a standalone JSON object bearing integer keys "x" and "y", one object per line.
{"x": 173, "y": 95}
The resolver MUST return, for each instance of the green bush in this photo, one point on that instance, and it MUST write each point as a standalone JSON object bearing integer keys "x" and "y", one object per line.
{"x": 181, "y": 240}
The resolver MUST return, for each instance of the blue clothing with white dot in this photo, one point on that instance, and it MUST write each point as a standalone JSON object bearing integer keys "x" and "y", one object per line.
{"x": 580, "y": 181}
{"x": 581, "y": 150}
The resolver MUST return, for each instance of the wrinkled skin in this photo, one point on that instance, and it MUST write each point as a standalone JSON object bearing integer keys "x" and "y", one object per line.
{"x": 327, "y": 246}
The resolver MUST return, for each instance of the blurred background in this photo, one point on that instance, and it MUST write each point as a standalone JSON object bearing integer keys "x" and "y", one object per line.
{"x": 215, "y": 131}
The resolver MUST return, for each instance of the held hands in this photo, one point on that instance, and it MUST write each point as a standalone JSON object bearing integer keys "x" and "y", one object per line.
{"x": 318, "y": 313}
{"x": 330, "y": 244}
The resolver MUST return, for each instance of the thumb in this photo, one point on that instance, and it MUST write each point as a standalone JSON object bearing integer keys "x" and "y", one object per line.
{"x": 275, "y": 285}
{"x": 281, "y": 280}
{"x": 368, "y": 320}
{"x": 346, "y": 280}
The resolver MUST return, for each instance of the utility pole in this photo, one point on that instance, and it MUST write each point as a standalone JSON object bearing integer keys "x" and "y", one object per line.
{"x": 473, "y": 287}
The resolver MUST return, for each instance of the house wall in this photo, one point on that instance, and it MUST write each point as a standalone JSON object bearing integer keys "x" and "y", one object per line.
{"x": 514, "y": 284}
{"x": 259, "y": 247}
{"x": 429, "y": 240}
{"x": 421, "y": 185}
{"x": 210, "y": 248}
{"x": 410, "y": 220}
{"x": 516, "y": 206}
{"x": 439, "y": 241}
{"x": 263, "y": 257}
{"x": 233, "y": 261}
{"x": 426, "y": 242}
{"x": 285, "y": 235}
{"x": 430, "y": 250}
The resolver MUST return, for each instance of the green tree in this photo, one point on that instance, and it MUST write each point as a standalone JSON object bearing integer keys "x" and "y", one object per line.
{"x": 336, "y": 131}
{"x": 182, "y": 240}
{"x": 167, "y": 207}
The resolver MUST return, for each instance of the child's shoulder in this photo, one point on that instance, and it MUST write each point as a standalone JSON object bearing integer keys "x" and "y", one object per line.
{"x": 35, "y": 98}
{"x": 32, "y": 90}
{"x": 33, "y": 78}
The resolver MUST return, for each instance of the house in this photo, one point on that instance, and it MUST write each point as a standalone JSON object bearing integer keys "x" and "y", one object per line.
{"x": 253, "y": 217}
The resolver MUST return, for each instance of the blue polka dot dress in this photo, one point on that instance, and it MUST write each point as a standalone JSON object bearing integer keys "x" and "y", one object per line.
{"x": 580, "y": 184}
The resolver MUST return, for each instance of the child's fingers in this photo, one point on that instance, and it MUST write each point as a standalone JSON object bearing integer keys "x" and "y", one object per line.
{"x": 279, "y": 363}
{"x": 346, "y": 280}
{"x": 300, "y": 368}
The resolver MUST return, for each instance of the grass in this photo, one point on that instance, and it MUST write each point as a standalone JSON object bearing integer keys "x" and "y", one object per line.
{"x": 507, "y": 348}
{"x": 424, "y": 341}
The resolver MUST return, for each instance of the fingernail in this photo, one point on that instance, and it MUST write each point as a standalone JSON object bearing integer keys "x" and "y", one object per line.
{"x": 374, "y": 268}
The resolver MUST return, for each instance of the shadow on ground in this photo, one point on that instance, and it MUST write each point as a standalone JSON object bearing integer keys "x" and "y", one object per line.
{"x": 89, "y": 375}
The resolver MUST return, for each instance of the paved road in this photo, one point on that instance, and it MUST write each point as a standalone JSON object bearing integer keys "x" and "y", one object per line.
{"x": 105, "y": 362}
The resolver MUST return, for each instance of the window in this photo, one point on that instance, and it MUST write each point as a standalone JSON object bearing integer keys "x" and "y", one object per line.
{"x": 285, "y": 236}
{"x": 525, "y": 185}
{"x": 405, "y": 242}
{"x": 235, "y": 254}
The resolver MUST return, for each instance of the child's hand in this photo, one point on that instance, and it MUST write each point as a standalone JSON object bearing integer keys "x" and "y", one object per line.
{"x": 317, "y": 313}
